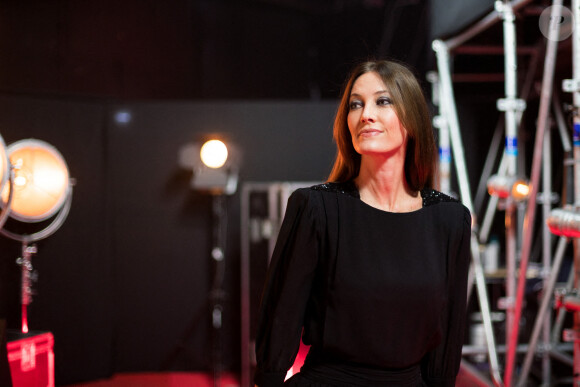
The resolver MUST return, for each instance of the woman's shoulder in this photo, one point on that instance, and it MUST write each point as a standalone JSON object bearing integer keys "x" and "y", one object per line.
{"x": 347, "y": 188}
{"x": 433, "y": 197}
{"x": 317, "y": 195}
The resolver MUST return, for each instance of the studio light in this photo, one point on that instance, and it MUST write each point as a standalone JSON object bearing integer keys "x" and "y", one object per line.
{"x": 40, "y": 181}
{"x": 214, "y": 153}
{"x": 214, "y": 165}
{"x": 506, "y": 186}
{"x": 39, "y": 192}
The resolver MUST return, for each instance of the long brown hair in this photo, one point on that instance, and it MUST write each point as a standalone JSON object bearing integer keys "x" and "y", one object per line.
{"x": 411, "y": 109}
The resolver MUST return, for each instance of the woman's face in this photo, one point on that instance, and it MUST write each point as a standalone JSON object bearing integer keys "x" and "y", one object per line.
{"x": 372, "y": 120}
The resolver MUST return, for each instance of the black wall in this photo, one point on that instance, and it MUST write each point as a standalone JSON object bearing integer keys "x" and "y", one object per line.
{"x": 183, "y": 49}
{"x": 124, "y": 283}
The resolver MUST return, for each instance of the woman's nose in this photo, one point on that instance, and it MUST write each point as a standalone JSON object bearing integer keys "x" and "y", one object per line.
{"x": 368, "y": 114}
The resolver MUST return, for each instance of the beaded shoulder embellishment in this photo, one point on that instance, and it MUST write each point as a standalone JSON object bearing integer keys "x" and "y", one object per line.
{"x": 348, "y": 188}
{"x": 430, "y": 197}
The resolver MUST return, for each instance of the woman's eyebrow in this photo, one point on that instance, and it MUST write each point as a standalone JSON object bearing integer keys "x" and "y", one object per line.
{"x": 376, "y": 92}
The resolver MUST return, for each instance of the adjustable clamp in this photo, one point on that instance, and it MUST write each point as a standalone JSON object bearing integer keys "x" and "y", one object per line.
{"x": 511, "y": 104}
{"x": 571, "y": 85}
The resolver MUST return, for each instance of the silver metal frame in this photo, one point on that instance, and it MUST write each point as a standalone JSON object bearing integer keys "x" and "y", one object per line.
{"x": 447, "y": 104}
{"x": 508, "y": 166}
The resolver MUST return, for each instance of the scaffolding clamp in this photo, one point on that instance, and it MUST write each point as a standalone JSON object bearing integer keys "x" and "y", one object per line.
{"x": 571, "y": 85}
{"x": 511, "y": 104}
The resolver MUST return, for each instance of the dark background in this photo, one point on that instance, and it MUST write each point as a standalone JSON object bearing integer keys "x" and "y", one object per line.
{"x": 124, "y": 284}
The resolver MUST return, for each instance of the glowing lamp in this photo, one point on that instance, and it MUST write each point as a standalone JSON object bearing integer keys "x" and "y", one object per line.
{"x": 40, "y": 189}
{"x": 40, "y": 182}
{"x": 214, "y": 153}
{"x": 214, "y": 165}
{"x": 506, "y": 186}
{"x": 565, "y": 222}
{"x": 520, "y": 190}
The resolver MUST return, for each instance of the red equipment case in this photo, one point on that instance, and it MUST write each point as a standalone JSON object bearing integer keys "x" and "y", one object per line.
{"x": 31, "y": 358}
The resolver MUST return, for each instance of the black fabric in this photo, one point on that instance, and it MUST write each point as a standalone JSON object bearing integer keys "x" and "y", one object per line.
{"x": 352, "y": 375}
{"x": 370, "y": 290}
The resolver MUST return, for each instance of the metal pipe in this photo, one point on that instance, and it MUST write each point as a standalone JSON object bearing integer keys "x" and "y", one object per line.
{"x": 492, "y": 203}
{"x": 510, "y": 107}
{"x": 543, "y": 311}
{"x": 440, "y": 122}
{"x": 442, "y": 54}
{"x": 511, "y": 249}
{"x": 545, "y": 97}
{"x": 491, "y": 206}
{"x": 489, "y": 20}
{"x": 564, "y": 358}
{"x": 561, "y": 123}
{"x": 448, "y": 101}
{"x": 509, "y": 102}
{"x": 546, "y": 249}
{"x": 576, "y": 143}
{"x": 557, "y": 329}
{"x": 485, "y": 311}
{"x": 488, "y": 166}
{"x": 522, "y": 348}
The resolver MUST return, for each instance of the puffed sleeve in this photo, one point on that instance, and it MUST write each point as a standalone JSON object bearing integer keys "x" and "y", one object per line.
{"x": 440, "y": 366}
{"x": 287, "y": 289}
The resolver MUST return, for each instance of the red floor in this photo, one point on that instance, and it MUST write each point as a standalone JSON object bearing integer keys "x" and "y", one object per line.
{"x": 170, "y": 379}
{"x": 185, "y": 379}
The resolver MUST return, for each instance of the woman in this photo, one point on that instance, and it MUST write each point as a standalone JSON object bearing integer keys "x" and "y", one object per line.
{"x": 370, "y": 268}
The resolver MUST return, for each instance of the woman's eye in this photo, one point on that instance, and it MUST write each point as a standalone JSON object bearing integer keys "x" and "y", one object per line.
{"x": 383, "y": 101}
{"x": 354, "y": 105}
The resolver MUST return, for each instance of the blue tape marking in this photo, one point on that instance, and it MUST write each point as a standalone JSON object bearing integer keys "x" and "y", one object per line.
{"x": 576, "y": 134}
{"x": 445, "y": 155}
{"x": 511, "y": 146}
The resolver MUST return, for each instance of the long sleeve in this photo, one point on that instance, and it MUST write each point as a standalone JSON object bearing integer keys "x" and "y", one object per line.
{"x": 287, "y": 289}
{"x": 440, "y": 366}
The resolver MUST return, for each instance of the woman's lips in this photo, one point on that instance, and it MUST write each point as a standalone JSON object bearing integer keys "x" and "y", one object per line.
{"x": 369, "y": 132}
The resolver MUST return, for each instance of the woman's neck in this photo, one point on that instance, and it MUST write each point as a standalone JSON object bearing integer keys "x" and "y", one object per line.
{"x": 382, "y": 184}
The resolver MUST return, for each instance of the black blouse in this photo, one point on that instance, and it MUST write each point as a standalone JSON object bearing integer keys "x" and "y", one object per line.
{"x": 368, "y": 289}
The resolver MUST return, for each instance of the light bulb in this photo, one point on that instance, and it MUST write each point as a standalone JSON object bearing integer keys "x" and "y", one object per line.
{"x": 520, "y": 190}
{"x": 41, "y": 180}
{"x": 214, "y": 153}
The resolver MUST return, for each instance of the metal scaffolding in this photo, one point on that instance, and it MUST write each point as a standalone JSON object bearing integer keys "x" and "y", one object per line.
{"x": 544, "y": 342}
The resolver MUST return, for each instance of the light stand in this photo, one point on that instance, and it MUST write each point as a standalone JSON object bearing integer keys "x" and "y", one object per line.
{"x": 39, "y": 189}
{"x": 215, "y": 171}
{"x": 218, "y": 294}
